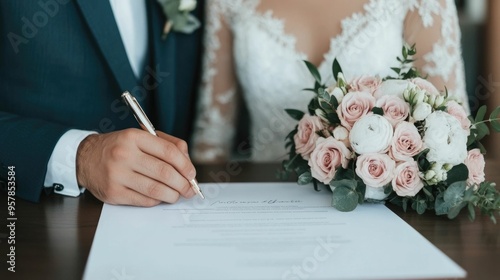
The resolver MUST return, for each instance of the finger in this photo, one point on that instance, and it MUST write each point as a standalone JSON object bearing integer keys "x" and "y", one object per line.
{"x": 151, "y": 188}
{"x": 181, "y": 144}
{"x": 164, "y": 173}
{"x": 169, "y": 153}
{"x": 131, "y": 197}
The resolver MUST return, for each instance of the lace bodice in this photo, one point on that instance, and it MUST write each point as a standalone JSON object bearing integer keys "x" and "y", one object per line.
{"x": 248, "y": 51}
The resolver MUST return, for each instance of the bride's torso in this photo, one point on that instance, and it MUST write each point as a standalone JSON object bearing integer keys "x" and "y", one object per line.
{"x": 270, "y": 44}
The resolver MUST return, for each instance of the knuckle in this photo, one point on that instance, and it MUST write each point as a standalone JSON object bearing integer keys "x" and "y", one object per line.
{"x": 118, "y": 153}
{"x": 168, "y": 150}
{"x": 185, "y": 187}
{"x": 164, "y": 170}
{"x": 173, "y": 197}
{"x": 130, "y": 134}
{"x": 154, "y": 190}
{"x": 182, "y": 145}
{"x": 144, "y": 201}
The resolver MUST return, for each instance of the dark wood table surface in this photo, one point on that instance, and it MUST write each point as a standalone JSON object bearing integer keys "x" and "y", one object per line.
{"x": 53, "y": 238}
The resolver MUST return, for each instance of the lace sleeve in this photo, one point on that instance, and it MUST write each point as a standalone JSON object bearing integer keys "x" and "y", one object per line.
{"x": 433, "y": 26}
{"x": 217, "y": 101}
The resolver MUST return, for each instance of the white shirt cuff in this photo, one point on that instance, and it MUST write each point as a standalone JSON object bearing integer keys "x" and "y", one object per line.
{"x": 61, "y": 169}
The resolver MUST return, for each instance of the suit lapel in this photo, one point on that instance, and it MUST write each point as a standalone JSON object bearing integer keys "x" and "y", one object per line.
{"x": 164, "y": 64}
{"x": 101, "y": 22}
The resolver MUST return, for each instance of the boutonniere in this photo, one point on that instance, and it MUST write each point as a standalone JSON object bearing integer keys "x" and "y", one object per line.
{"x": 178, "y": 16}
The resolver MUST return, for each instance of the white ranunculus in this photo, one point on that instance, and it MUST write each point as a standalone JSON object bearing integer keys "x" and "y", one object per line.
{"x": 371, "y": 134}
{"x": 187, "y": 5}
{"x": 445, "y": 138}
{"x": 421, "y": 111}
{"x": 393, "y": 87}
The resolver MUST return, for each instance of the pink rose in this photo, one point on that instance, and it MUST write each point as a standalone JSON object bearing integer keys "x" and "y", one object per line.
{"x": 305, "y": 138}
{"x": 475, "y": 163}
{"x": 406, "y": 142}
{"x": 354, "y": 105}
{"x": 407, "y": 181}
{"x": 395, "y": 109}
{"x": 458, "y": 111}
{"x": 376, "y": 170}
{"x": 365, "y": 83}
{"x": 328, "y": 155}
{"x": 423, "y": 84}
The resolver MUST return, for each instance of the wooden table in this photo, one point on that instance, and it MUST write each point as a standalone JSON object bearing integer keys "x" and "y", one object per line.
{"x": 53, "y": 238}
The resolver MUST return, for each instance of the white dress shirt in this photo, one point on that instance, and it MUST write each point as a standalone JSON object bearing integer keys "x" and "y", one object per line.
{"x": 131, "y": 18}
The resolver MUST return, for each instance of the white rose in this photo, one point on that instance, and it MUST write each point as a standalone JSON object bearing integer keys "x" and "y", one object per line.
{"x": 187, "y": 5}
{"x": 421, "y": 111}
{"x": 371, "y": 134}
{"x": 445, "y": 138}
{"x": 393, "y": 87}
{"x": 340, "y": 133}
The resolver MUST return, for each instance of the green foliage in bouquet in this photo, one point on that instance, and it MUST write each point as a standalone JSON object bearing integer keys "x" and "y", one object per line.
{"x": 446, "y": 194}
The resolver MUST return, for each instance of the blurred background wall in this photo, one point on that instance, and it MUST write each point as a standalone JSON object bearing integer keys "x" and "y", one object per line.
{"x": 480, "y": 25}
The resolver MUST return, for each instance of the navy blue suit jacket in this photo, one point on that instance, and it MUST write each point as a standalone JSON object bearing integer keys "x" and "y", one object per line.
{"x": 63, "y": 65}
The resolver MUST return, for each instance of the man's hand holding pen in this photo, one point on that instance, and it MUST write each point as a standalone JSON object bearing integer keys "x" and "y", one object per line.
{"x": 134, "y": 167}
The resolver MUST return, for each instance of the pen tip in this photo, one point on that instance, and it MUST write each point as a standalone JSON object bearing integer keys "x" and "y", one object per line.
{"x": 197, "y": 189}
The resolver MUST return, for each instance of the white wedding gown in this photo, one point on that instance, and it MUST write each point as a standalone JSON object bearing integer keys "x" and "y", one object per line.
{"x": 248, "y": 52}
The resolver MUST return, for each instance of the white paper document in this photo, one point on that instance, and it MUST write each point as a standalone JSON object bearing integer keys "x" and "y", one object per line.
{"x": 261, "y": 231}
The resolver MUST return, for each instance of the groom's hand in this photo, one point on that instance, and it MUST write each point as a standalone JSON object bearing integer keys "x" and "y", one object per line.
{"x": 133, "y": 167}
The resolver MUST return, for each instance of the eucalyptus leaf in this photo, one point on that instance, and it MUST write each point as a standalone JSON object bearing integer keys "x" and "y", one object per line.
{"x": 481, "y": 112}
{"x": 472, "y": 211}
{"x": 441, "y": 206}
{"x": 495, "y": 119}
{"x": 455, "y": 210}
{"x": 421, "y": 206}
{"x": 344, "y": 199}
{"x": 345, "y": 183}
{"x": 482, "y": 130}
{"x": 305, "y": 178}
{"x": 454, "y": 193}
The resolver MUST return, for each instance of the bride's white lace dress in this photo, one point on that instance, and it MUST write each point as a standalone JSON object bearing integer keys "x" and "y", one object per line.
{"x": 248, "y": 53}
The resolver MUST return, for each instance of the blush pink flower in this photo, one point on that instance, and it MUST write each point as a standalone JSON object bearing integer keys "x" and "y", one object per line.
{"x": 395, "y": 109}
{"x": 425, "y": 85}
{"x": 406, "y": 142}
{"x": 354, "y": 105}
{"x": 376, "y": 170}
{"x": 327, "y": 157}
{"x": 306, "y": 136}
{"x": 475, "y": 163}
{"x": 458, "y": 111}
{"x": 406, "y": 180}
{"x": 365, "y": 83}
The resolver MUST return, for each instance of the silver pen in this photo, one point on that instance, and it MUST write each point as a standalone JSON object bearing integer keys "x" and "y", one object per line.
{"x": 146, "y": 124}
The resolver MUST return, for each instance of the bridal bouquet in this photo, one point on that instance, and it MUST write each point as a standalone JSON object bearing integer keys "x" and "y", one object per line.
{"x": 396, "y": 139}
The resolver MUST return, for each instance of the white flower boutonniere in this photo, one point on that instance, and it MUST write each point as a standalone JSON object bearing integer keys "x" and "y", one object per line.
{"x": 178, "y": 16}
